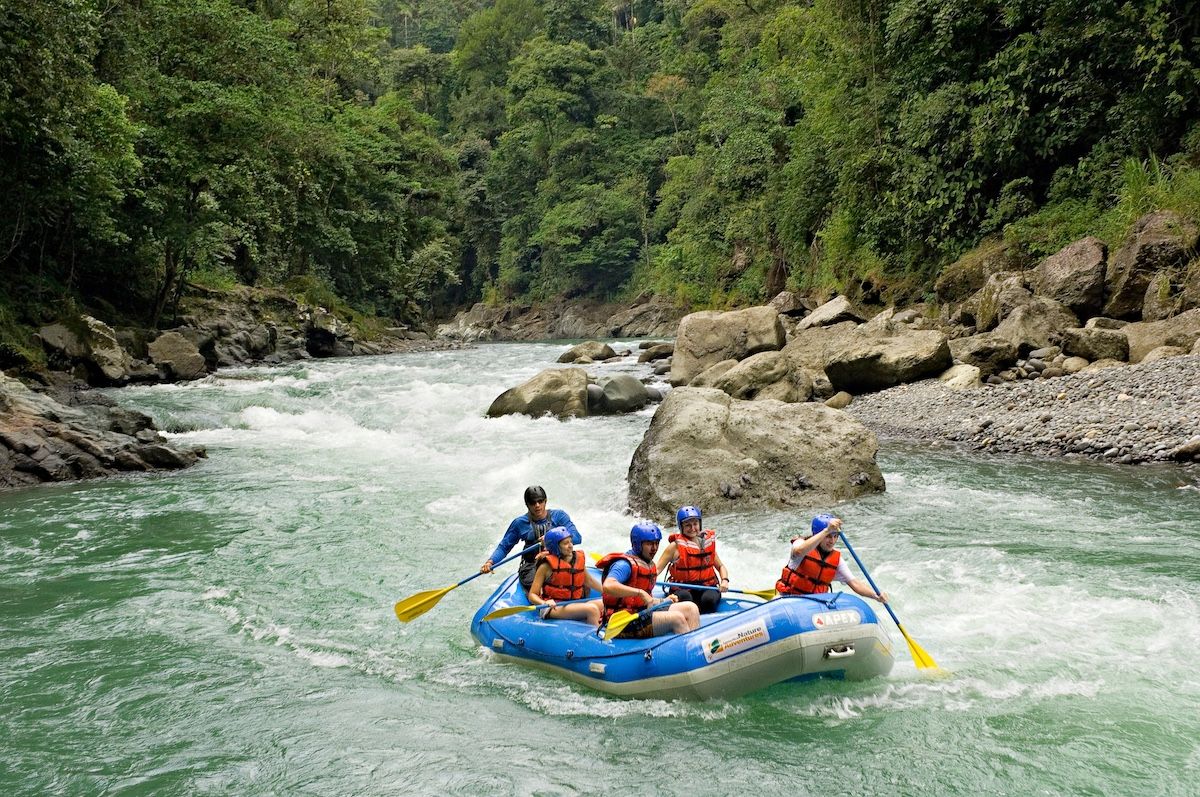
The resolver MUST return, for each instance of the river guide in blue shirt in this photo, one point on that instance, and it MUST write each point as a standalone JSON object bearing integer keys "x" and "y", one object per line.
{"x": 528, "y": 529}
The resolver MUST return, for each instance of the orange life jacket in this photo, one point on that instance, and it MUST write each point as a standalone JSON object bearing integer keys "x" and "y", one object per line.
{"x": 643, "y": 577}
{"x": 696, "y": 560}
{"x": 566, "y": 582}
{"x": 815, "y": 573}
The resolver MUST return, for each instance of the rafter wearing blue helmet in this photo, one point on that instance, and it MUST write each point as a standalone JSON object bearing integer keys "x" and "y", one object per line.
{"x": 529, "y": 529}
{"x": 815, "y": 563}
{"x": 690, "y": 557}
{"x": 628, "y": 580}
{"x": 563, "y": 575}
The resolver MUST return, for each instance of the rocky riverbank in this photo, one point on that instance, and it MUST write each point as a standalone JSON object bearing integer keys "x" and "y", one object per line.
{"x": 1148, "y": 412}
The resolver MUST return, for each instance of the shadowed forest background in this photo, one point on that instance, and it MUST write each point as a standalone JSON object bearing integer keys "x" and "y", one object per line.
{"x": 405, "y": 158}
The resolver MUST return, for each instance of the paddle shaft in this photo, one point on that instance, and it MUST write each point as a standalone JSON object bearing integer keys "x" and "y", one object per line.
{"x": 870, "y": 580}
{"x": 701, "y": 586}
{"x": 502, "y": 561}
{"x": 508, "y": 611}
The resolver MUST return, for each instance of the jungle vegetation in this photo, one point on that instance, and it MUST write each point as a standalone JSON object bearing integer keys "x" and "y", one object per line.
{"x": 409, "y": 156}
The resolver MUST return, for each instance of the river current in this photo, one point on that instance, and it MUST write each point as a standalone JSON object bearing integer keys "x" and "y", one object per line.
{"x": 229, "y": 629}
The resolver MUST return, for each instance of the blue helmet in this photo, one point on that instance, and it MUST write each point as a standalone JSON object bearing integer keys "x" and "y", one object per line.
{"x": 686, "y": 513}
{"x": 821, "y": 522}
{"x": 553, "y": 539}
{"x": 644, "y": 531}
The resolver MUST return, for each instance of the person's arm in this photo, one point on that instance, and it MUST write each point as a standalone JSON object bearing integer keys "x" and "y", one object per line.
{"x": 539, "y": 581}
{"x": 592, "y": 583}
{"x": 803, "y": 546}
{"x": 669, "y": 554}
{"x": 722, "y": 572}
{"x": 561, "y": 518}
{"x": 864, "y": 589}
{"x": 510, "y": 538}
{"x": 859, "y": 586}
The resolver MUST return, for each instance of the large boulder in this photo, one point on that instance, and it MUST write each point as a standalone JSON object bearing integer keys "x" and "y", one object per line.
{"x": 704, "y": 447}
{"x": 90, "y": 343}
{"x": 592, "y": 350}
{"x": 1183, "y": 330}
{"x": 812, "y": 348}
{"x": 1160, "y": 241}
{"x": 1074, "y": 276}
{"x": 42, "y": 439}
{"x": 969, "y": 273}
{"x": 789, "y": 303}
{"x": 999, "y": 296}
{"x": 1095, "y": 344}
{"x": 834, "y": 311}
{"x": 659, "y": 351}
{"x": 1036, "y": 324}
{"x": 869, "y": 363}
{"x": 766, "y": 375}
{"x": 177, "y": 357}
{"x": 707, "y": 337}
{"x": 622, "y": 393}
{"x": 989, "y": 352}
{"x": 561, "y": 392}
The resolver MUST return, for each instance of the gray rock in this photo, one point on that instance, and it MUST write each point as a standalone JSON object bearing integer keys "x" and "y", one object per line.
{"x": 177, "y": 357}
{"x": 835, "y": 311}
{"x": 769, "y": 442}
{"x": 622, "y": 393}
{"x": 592, "y": 350}
{"x": 1096, "y": 344}
{"x": 1159, "y": 241}
{"x": 867, "y": 364}
{"x": 1074, "y": 276}
{"x": 706, "y": 338}
{"x": 561, "y": 392}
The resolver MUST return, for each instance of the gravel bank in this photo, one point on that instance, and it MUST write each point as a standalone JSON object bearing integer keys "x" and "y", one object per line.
{"x": 1138, "y": 413}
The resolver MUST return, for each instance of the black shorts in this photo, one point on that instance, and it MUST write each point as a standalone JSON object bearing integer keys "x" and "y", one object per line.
{"x": 638, "y": 629}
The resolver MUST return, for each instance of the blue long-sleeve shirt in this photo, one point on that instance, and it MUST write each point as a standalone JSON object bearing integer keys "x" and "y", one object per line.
{"x": 524, "y": 530}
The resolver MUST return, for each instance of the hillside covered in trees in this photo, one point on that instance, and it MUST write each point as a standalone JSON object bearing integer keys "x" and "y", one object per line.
{"x": 409, "y": 157}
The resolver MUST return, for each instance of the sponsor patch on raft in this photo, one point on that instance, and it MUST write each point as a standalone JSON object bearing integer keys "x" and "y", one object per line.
{"x": 737, "y": 640}
{"x": 835, "y": 619}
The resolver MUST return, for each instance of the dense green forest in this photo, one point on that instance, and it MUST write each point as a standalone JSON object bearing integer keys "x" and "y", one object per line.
{"x": 409, "y": 156}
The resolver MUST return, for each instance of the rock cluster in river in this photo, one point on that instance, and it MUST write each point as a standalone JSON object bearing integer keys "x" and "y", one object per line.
{"x": 1148, "y": 412}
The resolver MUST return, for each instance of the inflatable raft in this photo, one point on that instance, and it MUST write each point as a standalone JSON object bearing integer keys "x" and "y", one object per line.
{"x": 747, "y": 645}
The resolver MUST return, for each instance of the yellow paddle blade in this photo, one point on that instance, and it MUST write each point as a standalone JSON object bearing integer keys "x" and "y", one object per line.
{"x": 617, "y": 623}
{"x": 508, "y": 612}
{"x": 765, "y": 594}
{"x": 414, "y": 606}
{"x": 922, "y": 659}
{"x": 595, "y": 557}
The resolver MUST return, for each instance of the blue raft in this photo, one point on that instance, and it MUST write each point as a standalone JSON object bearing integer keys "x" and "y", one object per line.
{"x": 747, "y": 645}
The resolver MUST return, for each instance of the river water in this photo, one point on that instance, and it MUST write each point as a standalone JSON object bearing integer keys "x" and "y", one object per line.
{"x": 229, "y": 629}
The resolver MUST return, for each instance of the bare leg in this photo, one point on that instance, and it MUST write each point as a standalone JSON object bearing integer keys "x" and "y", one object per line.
{"x": 585, "y": 612}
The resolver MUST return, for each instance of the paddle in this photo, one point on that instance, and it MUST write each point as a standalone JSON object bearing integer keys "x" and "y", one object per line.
{"x": 414, "y": 606}
{"x": 617, "y": 623}
{"x": 765, "y": 594}
{"x": 511, "y": 610}
{"x": 922, "y": 659}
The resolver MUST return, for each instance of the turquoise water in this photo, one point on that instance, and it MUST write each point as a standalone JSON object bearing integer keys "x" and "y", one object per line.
{"x": 229, "y": 630}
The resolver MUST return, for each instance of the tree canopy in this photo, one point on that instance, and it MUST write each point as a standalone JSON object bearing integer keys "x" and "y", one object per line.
{"x": 414, "y": 154}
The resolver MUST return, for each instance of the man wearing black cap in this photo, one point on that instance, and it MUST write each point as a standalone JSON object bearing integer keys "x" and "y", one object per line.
{"x": 528, "y": 529}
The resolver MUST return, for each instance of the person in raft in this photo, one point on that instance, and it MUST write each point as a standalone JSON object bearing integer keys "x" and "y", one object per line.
{"x": 691, "y": 558}
{"x": 562, "y": 575}
{"x": 528, "y": 529}
{"x": 815, "y": 564}
{"x": 628, "y": 579}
